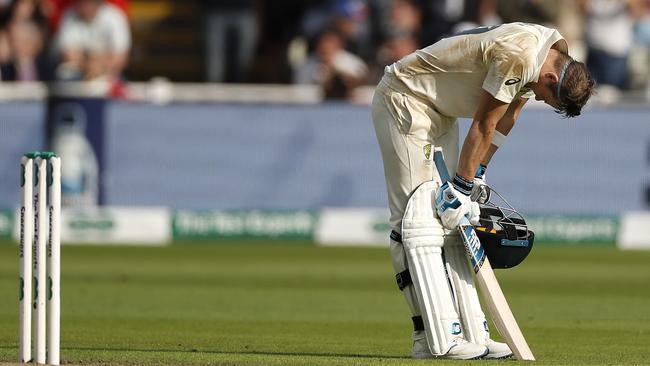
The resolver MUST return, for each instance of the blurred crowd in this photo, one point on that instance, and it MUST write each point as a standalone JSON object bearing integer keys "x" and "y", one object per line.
{"x": 68, "y": 40}
{"x": 338, "y": 44}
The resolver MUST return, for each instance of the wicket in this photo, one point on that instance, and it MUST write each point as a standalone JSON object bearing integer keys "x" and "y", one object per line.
{"x": 40, "y": 226}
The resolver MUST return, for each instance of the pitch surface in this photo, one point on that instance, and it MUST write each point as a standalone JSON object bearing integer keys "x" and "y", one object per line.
{"x": 293, "y": 304}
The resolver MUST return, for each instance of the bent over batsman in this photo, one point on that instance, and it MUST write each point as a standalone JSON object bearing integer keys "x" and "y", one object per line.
{"x": 486, "y": 74}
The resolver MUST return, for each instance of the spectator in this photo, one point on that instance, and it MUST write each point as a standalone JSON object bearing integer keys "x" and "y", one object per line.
{"x": 93, "y": 42}
{"x": 27, "y": 11}
{"x": 405, "y": 17}
{"x": 230, "y": 36}
{"x": 608, "y": 38}
{"x": 439, "y": 18}
{"x": 570, "y": 23}
{"x": 331, "y": 66}
{"x": 394, "y": 48}
{"x": 442, "y": 18}
{"x": 26, "y": 42}
{"x": 56, "y": 8}
{"x": 531, "y": 11}
{"x": 315, "y": 17}
{"x": 279, "y": 31}
{"x": 478, "y": 13}
{"x": 640, "y": 54}
{"x": 22, "y": 40}
{"x": 350, "y": 19}
{"x": 391, "y": 17}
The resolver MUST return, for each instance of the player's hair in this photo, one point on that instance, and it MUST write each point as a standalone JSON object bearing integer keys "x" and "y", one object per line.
{"x": 576, "y": 85}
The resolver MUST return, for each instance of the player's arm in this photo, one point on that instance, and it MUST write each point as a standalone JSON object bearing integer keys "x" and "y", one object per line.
{"x": 453, "y": 200}
{"x": 480, "y": 193}
{"x": 506, "y": 123}
{"x": 489, "y": 113}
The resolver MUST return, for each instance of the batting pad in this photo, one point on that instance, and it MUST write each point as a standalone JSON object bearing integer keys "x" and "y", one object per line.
{"x": 474, "y": 323}
{"x": 423, "y": 238}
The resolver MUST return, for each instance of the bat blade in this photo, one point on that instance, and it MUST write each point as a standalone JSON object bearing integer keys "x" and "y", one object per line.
{"x": 502, "y": 316}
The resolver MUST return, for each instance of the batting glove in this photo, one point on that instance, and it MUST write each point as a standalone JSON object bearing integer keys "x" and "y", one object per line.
{"x": 480, "y": 191}
{"x": 453, "y": 203}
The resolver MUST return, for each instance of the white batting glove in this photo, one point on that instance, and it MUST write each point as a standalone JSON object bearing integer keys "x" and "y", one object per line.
{"x": 480, "y": 191}
{"x": 452, "y": 205}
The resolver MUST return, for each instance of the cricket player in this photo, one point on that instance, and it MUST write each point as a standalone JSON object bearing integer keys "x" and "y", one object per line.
{"x": 486, "y": 74}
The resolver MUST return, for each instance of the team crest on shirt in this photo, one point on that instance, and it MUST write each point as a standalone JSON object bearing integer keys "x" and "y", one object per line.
{"x": 427, "y": 154}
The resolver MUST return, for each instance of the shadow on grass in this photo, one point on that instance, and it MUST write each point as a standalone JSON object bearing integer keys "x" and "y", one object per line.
{"x": 209, "y": 351}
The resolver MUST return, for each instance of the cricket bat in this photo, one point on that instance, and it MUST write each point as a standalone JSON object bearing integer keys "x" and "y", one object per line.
{"x": 502, "y": 316}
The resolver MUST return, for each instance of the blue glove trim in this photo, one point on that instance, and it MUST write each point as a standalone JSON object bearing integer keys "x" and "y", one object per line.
{"x": 463, "y": 186}
{"x": 480, "y": 171}
{"x": 443, "y": 202}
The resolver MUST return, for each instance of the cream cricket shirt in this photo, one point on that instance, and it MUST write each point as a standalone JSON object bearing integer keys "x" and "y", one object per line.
{"x": 416, "y": 104}
{"x": 450, "y": 74}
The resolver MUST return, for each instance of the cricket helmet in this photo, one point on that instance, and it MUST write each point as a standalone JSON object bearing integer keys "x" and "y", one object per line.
{"x": 503, "y": 232}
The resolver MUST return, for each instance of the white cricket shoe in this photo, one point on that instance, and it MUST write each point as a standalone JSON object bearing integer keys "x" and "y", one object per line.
{"x": 464, "y": 350}
{"x": 497, "y": 350}
{"x": 420, "y": 346}
{"x": 461, "y": 350}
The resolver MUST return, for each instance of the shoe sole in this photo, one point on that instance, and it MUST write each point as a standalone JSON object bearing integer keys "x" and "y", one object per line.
{"x": 465, "y": 359}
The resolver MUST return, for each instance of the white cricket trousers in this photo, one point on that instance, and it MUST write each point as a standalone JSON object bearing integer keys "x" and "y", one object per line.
{"x": 407, "y": 131}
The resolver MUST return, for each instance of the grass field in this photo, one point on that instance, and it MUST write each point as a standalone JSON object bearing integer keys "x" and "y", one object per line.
{"x": 291, "y": 304}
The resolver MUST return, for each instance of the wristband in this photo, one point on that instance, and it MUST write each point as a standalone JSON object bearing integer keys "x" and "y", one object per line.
{"x": 498, "y": 138}
{"x": 462, "y": 185}
{"x": 480, "y": 171}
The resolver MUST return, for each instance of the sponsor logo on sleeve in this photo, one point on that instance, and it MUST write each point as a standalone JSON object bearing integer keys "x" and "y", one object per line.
{"x": 512, "y": 81}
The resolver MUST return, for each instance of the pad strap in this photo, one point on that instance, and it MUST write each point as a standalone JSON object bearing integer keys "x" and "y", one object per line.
{"x": 403, "y": 279}
{"x": 418, "y": 323}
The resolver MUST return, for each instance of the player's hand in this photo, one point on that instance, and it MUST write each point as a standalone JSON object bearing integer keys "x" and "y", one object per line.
{"x": 452, "y": 205}
{"x": 480, "y": 191}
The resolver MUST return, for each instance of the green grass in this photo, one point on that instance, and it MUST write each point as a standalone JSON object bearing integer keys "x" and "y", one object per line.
{"x": 289, "y": 304}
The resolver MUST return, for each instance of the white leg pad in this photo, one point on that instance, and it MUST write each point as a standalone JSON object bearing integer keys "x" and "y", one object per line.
{"x": 475, "y": 326}
{"x": 423, "y": 238}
